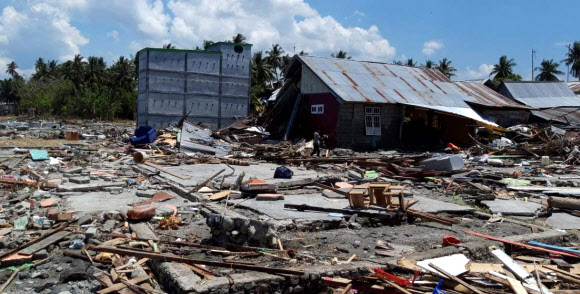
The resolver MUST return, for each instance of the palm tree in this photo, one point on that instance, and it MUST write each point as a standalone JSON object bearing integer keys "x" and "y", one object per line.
{"x": 397, "y": 62}
{"x": 503, "y": 68}
{"x": 341, "y": 54}
{"x": 411, "y": 63}
{"x": 207, "y": 44}
{"x": 122, "y": 74}
{"x": 11, "y": 69}
{"x": 302, "y": 53}
{"x": 239, "y": 39}
{"x": 74, "y": 71}
{"x": 429, "y": 64}
{"x": 262, "y": 72}
{"x": 168, "y": 46}
{"x": 95, "y": 72}
{"x": 573, "y": 59}
{"x": 274, "y": 58}
{"x": 548, "y": 70}
{"x": 446, "y": 68}
{"x": 41, "y": 69}
{"x": 286, "y": 60}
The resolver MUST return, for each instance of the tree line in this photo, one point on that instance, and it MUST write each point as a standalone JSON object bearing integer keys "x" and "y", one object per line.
{"x": 91, "y": 89}
{"x": 76, "y": 88}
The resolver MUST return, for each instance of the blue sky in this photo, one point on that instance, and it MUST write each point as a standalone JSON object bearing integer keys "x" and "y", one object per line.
{"x": 473, "y": 34}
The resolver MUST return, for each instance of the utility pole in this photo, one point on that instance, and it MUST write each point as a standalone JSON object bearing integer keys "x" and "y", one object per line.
{"x": 533, "y": 52}
{"x": 568, "y": 65}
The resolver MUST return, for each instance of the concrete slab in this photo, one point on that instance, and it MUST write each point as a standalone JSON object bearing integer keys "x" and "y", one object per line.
{"x": 512, "y": 207}
{"x": 103, "y": 201}
{"x": 263, "y": 171}
{"x": 436, "y": 206}
{"x": 275, "y": 209}
{"x": 564, "y": 221}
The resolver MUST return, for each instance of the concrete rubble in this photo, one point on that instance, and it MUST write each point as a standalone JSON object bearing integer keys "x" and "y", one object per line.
{"x": 102, "y": 216}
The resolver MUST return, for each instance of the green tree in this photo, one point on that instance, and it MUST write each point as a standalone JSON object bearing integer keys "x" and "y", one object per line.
{"x": 207, "y": 44}
{"x": 168, "y": 46}
{"x": 41, "y": 70}
{"x": 262, "y": 72}
{"x": 95, "y": 73}
{"x": 548, "y": 70}
{"x": 11, "y": 69}
{"x": 429, "y": 64}
{"x": 411, "y": 63}
{"x": 573, "y": 59}
{"x": 510, "y": 78}
{"x": 239, "y": 39}
{"x": 340, "y": 54}
{"x": 274, "y": 58}
{"x": 302, "y": 53}
{"x": 446, "y": 68}
{"x": 286, "y": 60}
{"x": 503, "y": 68}
{"x": 397, "y": 62}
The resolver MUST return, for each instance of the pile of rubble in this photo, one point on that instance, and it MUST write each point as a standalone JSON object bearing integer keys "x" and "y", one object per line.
{"x": 185, "y": 209}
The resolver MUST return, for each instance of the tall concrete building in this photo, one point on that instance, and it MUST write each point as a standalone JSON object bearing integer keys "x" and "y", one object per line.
{"x": 210, "y": 86}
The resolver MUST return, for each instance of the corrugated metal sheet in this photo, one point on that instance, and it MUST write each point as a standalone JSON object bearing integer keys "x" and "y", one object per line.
{"x": 575, "y": 87}
{"x": 483, "y": 95}
{"x": 542, "y": 94}
{"x": 356, "y": 81}
{"x": 373, "y": 82}
{"x": 565, "y": 115}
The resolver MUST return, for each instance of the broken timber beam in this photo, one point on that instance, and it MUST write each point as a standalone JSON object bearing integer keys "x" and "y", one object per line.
{"x": 457, "y": 280}
{"x": 166, "y": 257}
{"x": 440, "y": 219}
{"x": 32, "y": 242}
{"x": 302, "y": 207}
{"x": 200, "y": 185}
{"x": 341, "y": 192}
{"x": 568, "y": 254}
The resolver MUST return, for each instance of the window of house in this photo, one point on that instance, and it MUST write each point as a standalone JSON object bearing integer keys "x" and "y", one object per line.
{"x": 372, "y": 121}
{"x": 317, "y": 109}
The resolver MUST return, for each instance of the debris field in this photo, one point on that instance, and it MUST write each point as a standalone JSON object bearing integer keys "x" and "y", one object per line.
{"x": 110, "y": 208}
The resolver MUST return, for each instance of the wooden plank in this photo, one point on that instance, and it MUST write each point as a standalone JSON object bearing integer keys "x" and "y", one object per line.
{"x": 517, "y": 286}
{"x": 120, "y": 286}
{"x": 45, "y": 242}
{"x": 220, "y": 195}
{"x": 167, "y": 171}
{"x": 200, "y": 271}
{"x": 522, "y": 245}
{"x": 166, "y": 257}
{"x": 394, "y": 285}
{"x": 457, "y": 280}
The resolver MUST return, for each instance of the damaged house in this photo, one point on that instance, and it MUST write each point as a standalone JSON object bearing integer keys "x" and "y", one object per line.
{"x": 362, "y": 105}
{"x": 551, "y": 101}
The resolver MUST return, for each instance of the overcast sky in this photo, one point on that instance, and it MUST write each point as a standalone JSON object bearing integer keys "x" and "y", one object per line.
{"x": 473, "y": 34}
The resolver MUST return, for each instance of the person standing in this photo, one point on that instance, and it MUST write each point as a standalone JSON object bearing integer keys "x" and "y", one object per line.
{"x": 316, "y": 142}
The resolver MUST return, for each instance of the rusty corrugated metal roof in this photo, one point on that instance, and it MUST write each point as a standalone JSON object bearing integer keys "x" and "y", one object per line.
{"x": 565, "y": 115}
{"x": 483, "y": 95}
{"x": 374, "y": 82}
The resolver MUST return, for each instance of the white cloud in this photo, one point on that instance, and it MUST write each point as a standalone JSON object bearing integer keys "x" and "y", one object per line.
{"x": 289, "y": 23}
{"x": 430, "y": 47}
{"x": 562, "y": 44}
{"x": 39, "y": 30}
{"x": 359, "y": 13}
{"x": 60, "y": 28}
{"x": 114, "y": 34}
{"x": 482, "y": 72}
